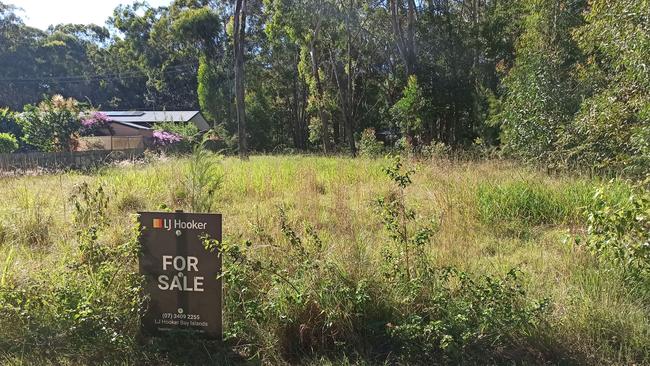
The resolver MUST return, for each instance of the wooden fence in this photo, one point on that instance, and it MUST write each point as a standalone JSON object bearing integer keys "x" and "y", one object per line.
{"x": 63, "y": 160}
{"x": 111, "y": 143}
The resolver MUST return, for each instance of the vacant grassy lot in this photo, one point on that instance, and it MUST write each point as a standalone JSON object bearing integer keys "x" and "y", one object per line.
{"x": 332, "y": 285}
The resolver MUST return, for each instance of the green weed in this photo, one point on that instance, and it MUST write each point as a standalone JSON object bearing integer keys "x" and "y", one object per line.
{"x": 618, "y": 233}
{"x": 516, "y": 206}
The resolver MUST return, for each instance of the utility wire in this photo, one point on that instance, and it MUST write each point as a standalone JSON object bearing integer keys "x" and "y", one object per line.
{"x": 56, "y": 78}
{"x": 99, "y": 77}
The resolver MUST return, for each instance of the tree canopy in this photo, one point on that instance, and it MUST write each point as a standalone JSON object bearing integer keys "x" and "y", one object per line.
{"x": 557, "y": 82}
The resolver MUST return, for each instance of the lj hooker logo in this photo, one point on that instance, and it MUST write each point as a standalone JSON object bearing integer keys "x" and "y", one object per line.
{"x": 174, "y": 224}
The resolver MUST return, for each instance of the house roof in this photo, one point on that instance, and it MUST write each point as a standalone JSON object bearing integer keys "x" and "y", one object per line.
{"x": 133, "y": 125}
{"x": 150, "y": 116}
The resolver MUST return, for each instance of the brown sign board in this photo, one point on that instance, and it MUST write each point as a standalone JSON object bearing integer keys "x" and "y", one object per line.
{"x": 182, "y": 278}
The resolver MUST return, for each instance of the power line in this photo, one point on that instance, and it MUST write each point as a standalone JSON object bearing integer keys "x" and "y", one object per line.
{"x": 99, "y": 77}
{"x": 56, "y": 78}
{"x": 82, "y": 79}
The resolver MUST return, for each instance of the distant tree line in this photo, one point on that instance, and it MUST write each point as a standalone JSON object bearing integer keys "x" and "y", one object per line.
{"x": 559, "y": 82}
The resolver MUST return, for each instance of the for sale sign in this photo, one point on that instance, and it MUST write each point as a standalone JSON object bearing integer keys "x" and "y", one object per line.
{"x": 182, "y": 277}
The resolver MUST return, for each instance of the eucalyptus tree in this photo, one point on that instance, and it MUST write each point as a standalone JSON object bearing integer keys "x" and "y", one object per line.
{"x": 239, "y": 45}
{"x": 201, "y": 28}
{"x": 404, "y": 34}
{"x": 303, "y": 21}
{"x": 151, "y": 59}
{"x": 542, "y": 94}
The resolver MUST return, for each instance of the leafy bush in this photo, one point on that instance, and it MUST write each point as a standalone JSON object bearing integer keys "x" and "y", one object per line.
{"x": 404, "y": 146}
{"x": 578, "y": 94}
{"x": 541, "y": 96}
{"x": 468, "y": 319}
{"x": 9, "y": 123}
{"x": 369, "y": 146}
{"x": 315, "y": 130}
{"x": 52, "y": 125}
{"x": 436, "y": 150}
{"x": 202, "y": 179}
{"x": 618, "y": 232}
{"x": 406, "y": 258}
{"x": 408, "y": 112}
{"x": 8, "y": 143}
{"x": 164, "y": 138}
{"x": 612, "y": 129}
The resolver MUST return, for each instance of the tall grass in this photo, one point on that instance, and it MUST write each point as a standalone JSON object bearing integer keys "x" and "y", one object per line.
{"x": 531, "y": 203}
{"x": 306, "y": 268}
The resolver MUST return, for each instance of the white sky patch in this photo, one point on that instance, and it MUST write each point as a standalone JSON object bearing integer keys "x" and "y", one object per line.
{"x": 43, "y": 13}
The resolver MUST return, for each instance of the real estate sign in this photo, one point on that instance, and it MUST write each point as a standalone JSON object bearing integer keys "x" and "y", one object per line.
{"x": 182, "y": 277}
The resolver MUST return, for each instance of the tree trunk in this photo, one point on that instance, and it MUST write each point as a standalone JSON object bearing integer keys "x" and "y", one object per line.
{"x": 239, "y": 33}
{"x": 405, "y": 42}
{"x": 297, "y": 104}
{"x": 313, "y": 51}
{"x": 349, "y": 118}
{"x": 346, "y": 91}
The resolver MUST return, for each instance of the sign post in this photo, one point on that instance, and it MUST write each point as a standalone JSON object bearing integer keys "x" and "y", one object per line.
{"x": 182, "y": 278}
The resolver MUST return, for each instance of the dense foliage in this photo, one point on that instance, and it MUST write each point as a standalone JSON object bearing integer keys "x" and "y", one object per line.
{"x": 578, "y": 93}
{"x": 559, "y": 83}
{"x": 619, "y": 234}
{"x": 8, "y": 143}
{"x": 51, "y": 125}
{"x": 9, "y": 124}
{"x": 612, "y": 127}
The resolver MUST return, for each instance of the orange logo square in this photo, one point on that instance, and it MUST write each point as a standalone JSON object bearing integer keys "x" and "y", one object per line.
{"x": 157, "y": 223}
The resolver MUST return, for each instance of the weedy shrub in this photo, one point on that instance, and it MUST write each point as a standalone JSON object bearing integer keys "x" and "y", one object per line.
{"x": 176, "y": 138}
{"x": 405, "y": 147}
{"x": 468, "y": 319}
{"x": 369, "y": 146}
{"x": 618, "y": 233}
{"x": 436, "y": 150}
{"x": 514, "y": 207}
{"x": 88, "y": 307}
{"x": 201, "y": 181}
{"x": 90, "y": 206}
{"x": 406, "y": 258}
{"x": 444, "y": 313}
{"x": 291, "y": 299}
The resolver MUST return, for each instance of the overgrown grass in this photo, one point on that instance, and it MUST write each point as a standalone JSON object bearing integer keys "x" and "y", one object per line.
{"x": 307, "y": 276}
{"x": 517, "y": 206}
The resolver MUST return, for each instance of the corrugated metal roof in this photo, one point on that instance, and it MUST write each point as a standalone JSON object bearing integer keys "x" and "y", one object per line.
{"x": 150, "y": 116}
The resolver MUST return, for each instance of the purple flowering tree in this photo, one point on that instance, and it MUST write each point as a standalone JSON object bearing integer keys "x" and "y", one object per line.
{"x": 164, "y": 138}
{"x": 95, "y": 123}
